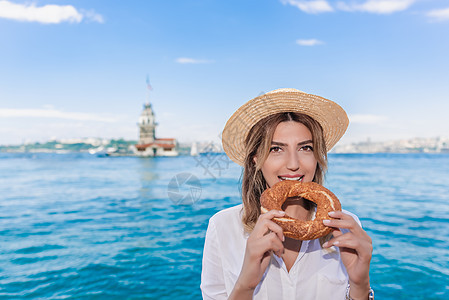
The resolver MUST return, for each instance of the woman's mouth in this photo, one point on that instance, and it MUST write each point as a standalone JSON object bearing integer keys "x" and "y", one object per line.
{"x": 297, "y": 178}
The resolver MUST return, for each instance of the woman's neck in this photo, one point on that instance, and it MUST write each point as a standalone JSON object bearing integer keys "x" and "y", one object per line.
{"x": 297, "y": 208}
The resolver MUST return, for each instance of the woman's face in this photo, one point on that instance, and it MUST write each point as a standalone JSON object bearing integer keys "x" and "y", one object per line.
{"x": 291, "y": 154}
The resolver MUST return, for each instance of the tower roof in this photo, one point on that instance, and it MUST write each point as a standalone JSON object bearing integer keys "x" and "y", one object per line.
{"x": 147, "y": 109}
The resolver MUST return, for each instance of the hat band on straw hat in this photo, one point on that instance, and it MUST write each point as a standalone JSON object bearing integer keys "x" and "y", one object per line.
{"x": 331, "y": 116}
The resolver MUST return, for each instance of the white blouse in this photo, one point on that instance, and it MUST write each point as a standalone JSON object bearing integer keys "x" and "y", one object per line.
{"x": 316, "y": 273}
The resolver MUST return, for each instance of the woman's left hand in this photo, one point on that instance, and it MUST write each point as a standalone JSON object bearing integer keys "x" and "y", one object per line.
{"x": 355, "y": 250}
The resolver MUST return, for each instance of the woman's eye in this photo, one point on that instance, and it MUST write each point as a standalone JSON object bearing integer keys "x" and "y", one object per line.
{"x": 307, "y": 148}
{"x": 275, "y": 149}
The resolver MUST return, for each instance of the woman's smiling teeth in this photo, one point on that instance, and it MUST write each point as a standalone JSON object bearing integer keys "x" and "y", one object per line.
{"x": 299, "y": 178}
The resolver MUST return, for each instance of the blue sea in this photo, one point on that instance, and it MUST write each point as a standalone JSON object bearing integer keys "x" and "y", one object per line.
{"x": 78, "y": 226}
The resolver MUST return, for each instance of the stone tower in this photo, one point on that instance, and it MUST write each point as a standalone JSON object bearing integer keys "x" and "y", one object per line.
{"x": 147, "y": 125}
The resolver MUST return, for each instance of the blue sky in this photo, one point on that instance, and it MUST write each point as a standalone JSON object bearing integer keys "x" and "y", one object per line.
{"x": 71, "y": 69}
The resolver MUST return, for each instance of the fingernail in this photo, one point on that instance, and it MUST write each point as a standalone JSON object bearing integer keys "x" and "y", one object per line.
{"x": 325, "y": 244}
{"x": 326, "y": 222}
{"x": 331, "y": 213}
{"x": 283, "y": 238}
{"x": 282, "y": 212}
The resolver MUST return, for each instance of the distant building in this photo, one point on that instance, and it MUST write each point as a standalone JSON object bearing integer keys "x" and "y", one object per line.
{"x": 148, "y": 144}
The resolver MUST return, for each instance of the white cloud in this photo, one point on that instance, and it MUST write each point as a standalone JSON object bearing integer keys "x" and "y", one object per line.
{"x": 52, "y": 113}
{"x": 310, "y": 42}
{"x": 186, "y": 60}
{"x": 47, "y": 14}
{"x": 370, "y": 6}
{"x": 93, "y": 16}
{"x": 311, "y": 6}
{"x": 376, "y": 6}
{"x": 439, "y": 14}
{"x": 366, "y": 119}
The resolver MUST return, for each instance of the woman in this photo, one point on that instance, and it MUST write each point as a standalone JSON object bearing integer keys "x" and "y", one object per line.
{"x": 283, "y": 135}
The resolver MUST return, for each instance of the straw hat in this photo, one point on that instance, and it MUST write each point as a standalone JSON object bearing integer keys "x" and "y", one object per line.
{"x": 330, "y": 115}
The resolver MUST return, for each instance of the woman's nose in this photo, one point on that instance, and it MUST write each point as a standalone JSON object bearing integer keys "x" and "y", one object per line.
{"x": 293, "y": 161}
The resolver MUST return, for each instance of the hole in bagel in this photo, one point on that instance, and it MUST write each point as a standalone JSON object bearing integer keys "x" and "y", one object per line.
{"x": 299, "y": 208}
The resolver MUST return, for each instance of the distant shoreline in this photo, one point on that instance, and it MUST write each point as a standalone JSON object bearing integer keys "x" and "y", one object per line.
{"x": 121, "y": 147}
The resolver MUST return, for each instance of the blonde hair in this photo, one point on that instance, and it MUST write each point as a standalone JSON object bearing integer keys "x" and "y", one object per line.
{"x": 258, "y": 144}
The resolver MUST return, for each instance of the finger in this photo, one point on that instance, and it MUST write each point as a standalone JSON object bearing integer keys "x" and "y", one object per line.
{"x": 265, "y": 224}
{"x": 337, "y": 223}
{"x": 351, "y": 224}
{"x": 342, "y": 221}
{"x": 267, "y": 243}
{"x": 337, "y": 232}
{"x": 346, "y": 242}
{"x": 350, "y": 241}
{"x": 343, "y": 240}
{"x": 272, "y": 214}
{"x": 274, "y": 244}
{"x": 362, "y": 248}
{"x": 338, "y": 214}
{"x": 273, "y": 227}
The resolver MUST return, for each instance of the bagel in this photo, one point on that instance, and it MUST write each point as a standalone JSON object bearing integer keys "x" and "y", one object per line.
{"x": 325, "y": 200}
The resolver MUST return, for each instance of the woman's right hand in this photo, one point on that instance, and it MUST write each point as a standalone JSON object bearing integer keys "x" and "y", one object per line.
{"x": 266, "y": 238}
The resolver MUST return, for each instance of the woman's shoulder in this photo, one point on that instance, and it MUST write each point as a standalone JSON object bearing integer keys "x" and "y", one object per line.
{"x": 229, "y": 214}
{"x": 226, "y": 226}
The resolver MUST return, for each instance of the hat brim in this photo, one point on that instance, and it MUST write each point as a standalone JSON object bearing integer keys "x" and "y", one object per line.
{"x": 331, "y": 116}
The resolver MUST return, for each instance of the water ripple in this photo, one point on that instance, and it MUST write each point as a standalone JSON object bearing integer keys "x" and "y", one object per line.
{"x": 107, "y": 229}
